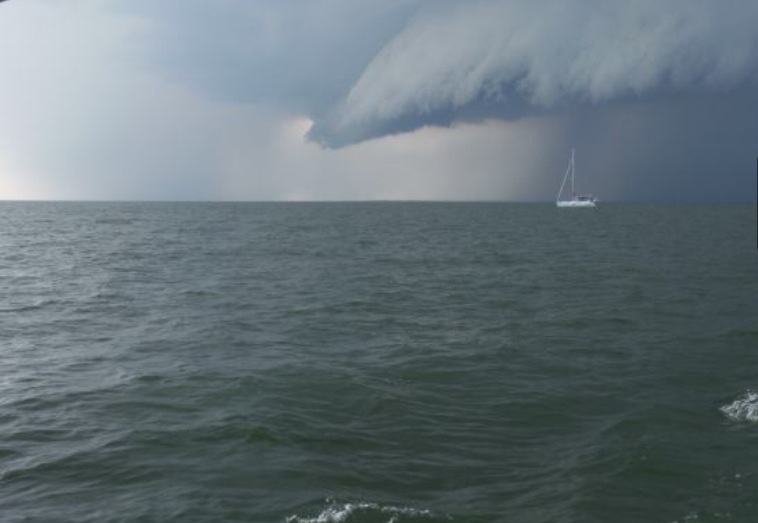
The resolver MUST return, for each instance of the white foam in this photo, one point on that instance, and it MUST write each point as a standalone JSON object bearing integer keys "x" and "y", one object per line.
{"x": 339, "y": 513}
{"x": 744, "y": 408}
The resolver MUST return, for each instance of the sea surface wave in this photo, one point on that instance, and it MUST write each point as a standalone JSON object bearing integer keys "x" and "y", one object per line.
{"x": 378, "y": 363}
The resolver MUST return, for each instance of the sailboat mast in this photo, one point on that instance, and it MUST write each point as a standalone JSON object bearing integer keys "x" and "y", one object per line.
{"x": 573, "y": 192}
{"x": 563, "y": 183}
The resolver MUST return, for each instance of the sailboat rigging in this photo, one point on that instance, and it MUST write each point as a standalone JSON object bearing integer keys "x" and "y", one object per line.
{"x": 584, "y": 200}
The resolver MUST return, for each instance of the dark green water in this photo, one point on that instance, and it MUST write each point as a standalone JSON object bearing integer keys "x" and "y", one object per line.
{"x": 378, "y": 363}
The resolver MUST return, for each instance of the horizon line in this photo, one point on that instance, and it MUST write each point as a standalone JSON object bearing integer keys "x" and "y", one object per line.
{"x": 370, "y": 201}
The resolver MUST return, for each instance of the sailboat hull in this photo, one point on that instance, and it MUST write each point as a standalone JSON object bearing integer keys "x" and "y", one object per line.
{"x": 576, "y": 203}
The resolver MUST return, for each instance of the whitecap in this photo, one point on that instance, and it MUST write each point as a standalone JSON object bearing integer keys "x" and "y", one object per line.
{"x": 339, "y": 513}
{"x": 744, "y": 408}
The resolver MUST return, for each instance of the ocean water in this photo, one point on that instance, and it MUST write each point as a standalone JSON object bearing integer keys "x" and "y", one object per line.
{"x": 378, "y": 363}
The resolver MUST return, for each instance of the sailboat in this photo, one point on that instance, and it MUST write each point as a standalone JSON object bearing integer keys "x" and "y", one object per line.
{"x": 585, "y": 200}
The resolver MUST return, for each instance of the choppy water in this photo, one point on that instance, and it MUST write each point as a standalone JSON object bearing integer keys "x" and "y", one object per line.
{"x": 378, "y": 363}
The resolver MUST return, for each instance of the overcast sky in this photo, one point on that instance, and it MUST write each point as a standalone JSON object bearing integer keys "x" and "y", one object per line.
{"x": 377, "y": 99}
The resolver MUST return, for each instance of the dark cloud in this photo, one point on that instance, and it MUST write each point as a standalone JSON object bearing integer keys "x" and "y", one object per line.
{"x": 504, "y": 58}
{"x": 362, "y": 69}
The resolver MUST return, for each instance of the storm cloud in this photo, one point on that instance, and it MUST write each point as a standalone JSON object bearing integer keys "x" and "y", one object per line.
{"x": 363, "y": 69}
{"x": 462, "y": 61}
{"x": 364, "y": 99}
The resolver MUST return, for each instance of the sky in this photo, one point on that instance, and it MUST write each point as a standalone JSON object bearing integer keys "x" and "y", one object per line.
{"x": 301, "y": 100}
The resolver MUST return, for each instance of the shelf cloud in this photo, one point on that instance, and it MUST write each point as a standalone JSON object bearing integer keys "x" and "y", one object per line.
{"x": 459, "y": 61}
{"x": 362, "y": 69}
